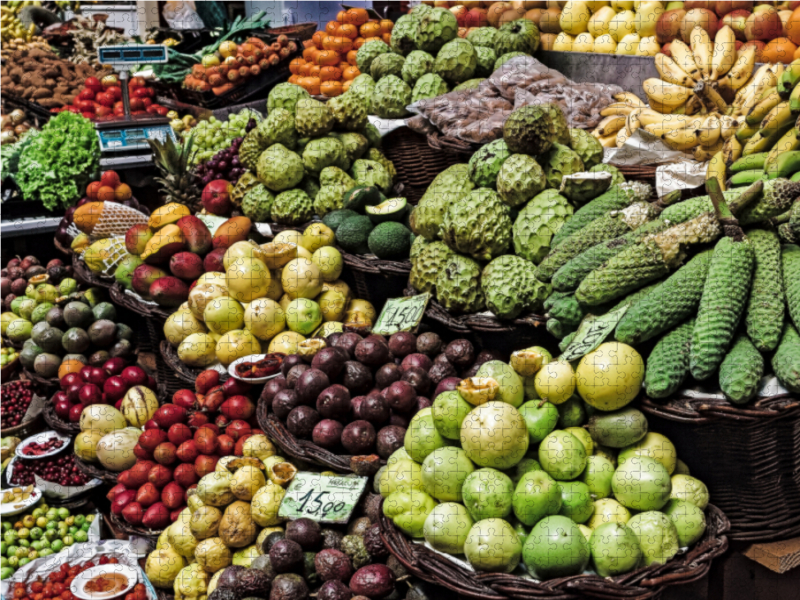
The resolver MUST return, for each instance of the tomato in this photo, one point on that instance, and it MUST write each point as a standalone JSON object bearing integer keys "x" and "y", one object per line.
{"x": 115, "y": 91}
{"x": 147, "y": 103}
{"x": 19, "y": 592}
{"x": 66, "y": 595}
{"x": 105, "y": 99}
{"x": 58, "y": 588}
{"x": 162, "y": 111}
{"x": 88, "y": 115}
{"x": 119, "y": 111}
{"x": 86, "y": 94}
{"x": 85, "y": 105}
{"x": 37, "y": 586}
{"x": 136, "y": 104}
{"x": 93, "y": 83}
{"x": 142, "y": 92}
{"x": 136, "y": 83}
{"x": 48, "y": 593}
{"x": 74, "y": 109}
{"x": 103, "y": 111}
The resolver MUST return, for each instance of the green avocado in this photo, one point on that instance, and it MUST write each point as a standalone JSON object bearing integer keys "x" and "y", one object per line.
{"x": 393, "y": 209}
{"x": 390, "y": 241}
{"x": 361, "y": 196}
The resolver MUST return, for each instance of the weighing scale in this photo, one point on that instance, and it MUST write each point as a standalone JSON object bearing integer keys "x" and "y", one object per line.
{"x": 123, "y": 141}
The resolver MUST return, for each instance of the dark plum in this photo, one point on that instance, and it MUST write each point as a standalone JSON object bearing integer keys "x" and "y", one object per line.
{"x": 441, "y": 371}
{"x": 448, "y": 384}
{"x": 310, "y": 384}
{"x": 357, "y": 377}
{"x": 286, "y": 556}
{"x": 327, "y": 434}
{"x": 389, "y": 439}
{"x": 374, "y": 581}
{"x": 403, "y": 343}
{"x": 334, "y": 402}
{"x": 301, "y": 421}
{"x": 271, "y": 388}
{"x": 423, "y": 402}
{"x": 333, "y": 565}
{"x": 418, "y": 378}
{"x": 460, "y": 353}
{"x": 347, "y": 342}
{"x": 399, "y": 420}
{"x": 355, "y": 406}
{"x": 358, "y": 437}
{"x": 387, "y": 375}
{"x": 334, "y": 590}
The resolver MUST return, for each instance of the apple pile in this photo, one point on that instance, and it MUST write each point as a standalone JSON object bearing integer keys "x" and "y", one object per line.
{"x": 101, "y": 99}
{"x": 181, "y": 443}
{"x": 106, "y": 384}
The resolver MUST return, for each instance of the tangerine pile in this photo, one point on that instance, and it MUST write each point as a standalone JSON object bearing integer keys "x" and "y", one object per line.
{"x": 328, "y": 64}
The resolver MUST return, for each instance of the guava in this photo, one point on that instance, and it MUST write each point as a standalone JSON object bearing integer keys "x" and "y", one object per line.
{"x": 422, "y": 437}
{"x": 536, "y": 496}
{"x": 444, "y": 471}
{"x": 691, "y": 489}
{"x": 681, "y": 468}
{"x": 615, "y": 549}
{"x": 526, "y": 465}
{"x": 493, "y": 435}
{"x": 555, "y": 548}
{"x": 653, "y": 445}
{"x": 587, "y": 533}
{"x": 510, "y": 383}
{"x": 447, "y": 526}
{"x": 610, "y": 376}
{"x": 584, "y": 437}
{"x": 487, "y": 494}
{"x": 658, "y": 538}
{"x": 576, "y": 501}
{"x": 562, "y": 455}
{"x": 689, "y": 521}
{"x": 597, "y": 476}
{"x": 641, "y": 483}
{"x": 521, "y": 530}
{"x": 493, "y": 546}
{"x": 540, "y": 419}
{"x": 401, "y": 475}
{"x": 449, "y": 410}
{"x": 571, "y": 413}
{"x": 397, "y": 455}
{"x": 408, "y": 510}
{"x": 608, "y": 510}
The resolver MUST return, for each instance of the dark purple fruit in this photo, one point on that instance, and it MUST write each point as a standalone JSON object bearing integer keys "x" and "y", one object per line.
{"x": 357, "y": 377}
{"x": 334, "y": 590}
{"x": 441, "y": 358}
{"x": 305, "y": 532}
{"x": 358, "y": 526}
{"x": 252, "y": 583}
{"x": 331, "y": 339}
{"x": 355, "y": 406}
{"x": 330, "y": 361}
{"x": 271, "y": 388}
{"x": 333, "y": 565}
{"x": 374, "y": 543}
{"x": 423, "y": 402}
{"x": 390, "y": 439}
{"x": 402, "y": 343}
{"x": 399, "y": 420}
{"x": 441, "y": 371}
{"x": 416, "y": 360}
{"x": 310, "y": 384}
{"x": 327, "y": 434}
{"x": 289, "y": 586}
{"x": 429, "y": 343}
{"x": 271, "y": 540}
{"x": 460, "y": 353}
{"x": 334, "y": 402}
{"x": 371, "y": 351}
{"x": 229, "y": 576}
{"x": 284, "y": 402}
{"x": 301, "y": 421}
{"x": 418, "y": 378}
{"x": 294, "y": 374}
{"x": 401, "y": 396}
{"x": 387, "y": 375}
{"x": 374, "y": 581}
{"x": 448, "y": 384}
{"x": 375, "y": 409}
{"x": 347, "y": 342}
{"x": 286, "y": 556}
{"x": 222, "y": 593}
{"x": 358, "y": 437}
{"x": 289, "y": 362}
{"x": 262, "y": 563}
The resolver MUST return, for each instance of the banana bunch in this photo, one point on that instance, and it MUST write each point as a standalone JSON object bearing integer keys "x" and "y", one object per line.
{"x": 11, "y": 28}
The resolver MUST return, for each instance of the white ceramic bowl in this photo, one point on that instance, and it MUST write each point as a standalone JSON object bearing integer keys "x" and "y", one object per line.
{"x": 249, "y": 358}
{"x": 42, "y": 438}
{"x": 14, "y": 508}
{"x": 81, "y": 579}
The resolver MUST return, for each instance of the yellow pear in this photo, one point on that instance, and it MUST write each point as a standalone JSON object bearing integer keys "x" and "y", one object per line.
{"x": 574, "y": 17}
{"x": 629, "y": 45}
{"x": 598, "y": 22}
{"x": 619, "y": 5}
{"x": 646, "y": 18}
{"x": 583, "y": 43}
{"x": 595, "y": 5}
{"x": 605, "y": 44}
{"x": 290, "y": 236}
{"x": 622, "y": 24}
{"x": 563, "y": 42}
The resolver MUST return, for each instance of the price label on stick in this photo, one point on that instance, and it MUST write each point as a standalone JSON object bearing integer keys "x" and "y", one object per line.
{"x": 320, "y": 498}
{"x": 401, "y": 314}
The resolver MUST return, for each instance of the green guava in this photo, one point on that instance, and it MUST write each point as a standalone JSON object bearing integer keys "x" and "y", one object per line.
{"x": 422, "y": 437}
{"x": 449, "y": 410}
{"x": 402, "y": 475}
{"x": 691, "y": 489}
{"x": 408, "y": 510}
{"x": 576, "y": 501}
{"x": 615, "y": 549}
{"x": 641, "y": 483}
{"x": 555, "y": 548}
{"x": 510, "y": 383}
{"x": 444, "y": 471}
{"x": 493, "y": 435}
{"x": 447, "y": 526}
{"x": 492, "y": 545}
{"x": 487, "y": 494}
{"x": 689, "y": 521}
{"x": 562, "y": 455}
{"x": 657, "y": 535}
{"x": 597, "y": 475}
{"x": 540, "y": 419}
{"x": 536, "y": 496}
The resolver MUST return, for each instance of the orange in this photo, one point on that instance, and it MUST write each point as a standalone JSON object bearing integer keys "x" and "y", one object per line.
{"x": 370, "y": 29}
{"x": 317, "y": 38}
{"x": 331, "y": 89}
{"x": 339, "y": 44}
{"x": 327, "y": 58}
{"x": 330, "y": 74}
{"x": 797, "y": 53}
{"x": 332, "y": 27}
{"x": 294, "y": 79}
{"x": 386, "y": 26}
{"x": 313, "y": 85}
{"x": 294, "y": 66}
{"x": 356, "y": 16}
{"x": 346, "y": 84}
{"x": 358, "y": 42}
{"x": 308, "y": 53}
{"x": 351, "y": 57}
{"x": 351, "y": 72}
{"x": 779, "y": 50}
{"x": 340, "y": 16}
{"x": 349, "y": 31}
{"x": 387, "y": 38}
{"x": 793, "y": 27}
{"x": 343, "y": 65}
{"x": 305, "y": 69}
{"x": 314, "y": 71}
{"x": 71, "y": 365}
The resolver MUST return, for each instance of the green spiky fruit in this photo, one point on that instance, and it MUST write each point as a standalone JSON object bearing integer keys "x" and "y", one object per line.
{"x": 510, "y": 287}
{"x": 485, "y": 164}
{"x": 334, "y": 182}
{"x": 521, "y": 35}
{"x": 485, "y": 59}
{"x": 392, "y": 95}
{"x": 249, "y": 151}
{"x": 741, "y": 371}
{"x": 368, "y": 53}
{"x": 363, "y": 87}
{"x": 483, "y": 36}
{"x": 456, "y": 61}
{"x": 668, "y": 363}
{"x": 450, "y": 186}
{"x": 765, "y": 307}
{"x": 529, "y": 130}
{"x": 285, "y": 95}
{"x": 470, "y": 84}
{"x": 559, "y": 162}
{"x": 504, "y": 58}
{"x": 279, "y": 168}
{"x": 277, "y": 128}
{"x": 435, "y": 28}
{"x": 371, "y": 173}
{"x": 355, "y": 146}
{"x": 349, "y": 111}
{"x": 386, "y": 64}
{"x": 786, "y": 360}
{"x": 427, "y": 264}
{"x": 313, "y": 118}
{"x": 538, "y": 222}
{"x": 417, "y": 64}
{"x": 416, "y": 247}
{"x": 257, "y": 204}
{"x": 479, "y": 226}
{"x": 616, "y": 175}
{"x": 428, "y": 86}
{"x": 246, "y": 182}
{"x": 560, "y": 126}
{"x": 403, "y": 35}
{"x": 323, "y": 152}
{"x": 588, "y": 148}
{"x": 776, "y": 198}
{"x": 790, "y": 261}
{"x": 292, "y": 207}
{"x": 520, "y": 179}
{"x": 458, "y": 285}
{"x": 380, "y": 157}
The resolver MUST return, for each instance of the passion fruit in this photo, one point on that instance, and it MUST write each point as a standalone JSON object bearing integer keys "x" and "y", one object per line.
{"x": 294, "y": 374}
{"x": 357, "y": 377}
{"x": 429, "y": 343}
{"x": 333, "y": 565}
{"x": 301, "y": 421}
{"x": 305, "y": 532}
{"x": 347, "y": 342}
{"x": 327, "y": 434}
{"x": 460, "y": 353}
{"x": 372, "y": 351}
{"x": 374, "y": 581}
{"x": 402, "y": 343}
{"x": 284, "y": 402}
{"x": 309, "y": 385}
{"x": 358, "y": 437}
{"x": 330, "y": 361}
{"x": 286, "y": 556}
{"x": 478, "y": 390}
{"x": 418, "y": 378}
{"x": 289, "y": 362}
{"x": 389, "y": 440}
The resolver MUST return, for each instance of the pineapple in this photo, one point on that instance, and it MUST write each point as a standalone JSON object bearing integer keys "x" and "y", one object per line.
{"x": 178, "y": 181}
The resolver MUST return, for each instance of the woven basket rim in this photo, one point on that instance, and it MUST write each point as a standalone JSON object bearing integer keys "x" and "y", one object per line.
{"x": 118, "y": 296}
{"x": 43, "y": 381}
{"x": 56, "y": 422}
{"x": 90, "y": 470}
{"x": 642, "y": 584}
{"x": 375, "y": 266}
{"x": 699, "y": 411}
{"x": 82, "y": 272}
{"x": 61, "y": 248}
{"x": 185, "y": 373}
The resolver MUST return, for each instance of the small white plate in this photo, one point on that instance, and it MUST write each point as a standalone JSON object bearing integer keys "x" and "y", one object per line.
{"x": 14, "y": 508}
{"x": 81, "y": 579}
{"x": 41, "y": 438}
{"x": 249, "y": 358}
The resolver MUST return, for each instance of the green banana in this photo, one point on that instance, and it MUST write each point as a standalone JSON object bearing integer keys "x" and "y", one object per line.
{"x": 761, "y": 143}
{"x": 746, "y": 177}
{"x": 785, "y": 165}
{"x": 794, "y": 99}
{"x": 789, "y": 142}
{"x": 760, "y": 111}
{"x": 789, "y": 79}
{"x": 795, "y": 177}
{"x": 745, "y": 131}
{"x": 777, "y": 118}
{"x": 752, "y": 161}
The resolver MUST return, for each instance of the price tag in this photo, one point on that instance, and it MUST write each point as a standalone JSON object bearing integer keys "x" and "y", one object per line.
{"x": 401, "y": 314}
{"x": 320, "y": 498}
{"x": 592, "y": 332}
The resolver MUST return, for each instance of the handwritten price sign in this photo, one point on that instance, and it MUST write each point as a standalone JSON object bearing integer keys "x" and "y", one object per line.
{"x": 322, "y": 499}
{"x": 401, "y": 314}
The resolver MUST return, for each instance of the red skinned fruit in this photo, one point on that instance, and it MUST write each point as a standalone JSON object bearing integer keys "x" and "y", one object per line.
{"x": 187, "y": 452}
{"x": 184, "y": 399}
{"x": 139, "y": 473}
{"x": 196, "y": 234}
{"x": 159, "y": 476}
{"x": 234, "y": 387}
{"x": 179, "y": 433}
{"x": 214, "y": 399}
{"x": 197, "y": 420}
{"x": 156, "y": 517}
{"x": 121, "y": 500}
{"x": 152, "y": 438}
{"x": 206, "y": 381}
{"x": 205, "y": 464}
{"x": 238, "y": 407}
{"x": 226, "y": 445}
{"x": 172, "y": 495}
{"x": 206, "y": 440}
{"x": 141, "y": 453}
{"x": 134, "y": 376}
{"x": 237, "y": 429}
{"x": 185, "y": 475}
{"x": 239, "y": 448}
{"x": 165, "y": 454}
{"x": 213, "y": 261}
{"x": 112, "y": 493}
{"x": 147, "y": 495}
{"x": 168, "y": 415}
{"x": 133, "y": 513}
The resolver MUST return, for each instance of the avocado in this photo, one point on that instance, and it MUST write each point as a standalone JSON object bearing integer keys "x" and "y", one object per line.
{"x": 393, "y": 209}
{"x": 102, "y": 333}
{"x": 75, "y": 340}
{"x": 618, "y": 429}
{"x": 99, "y": 358}
{"x": 121, "y": 349}
{"x": 48, "y": 338}
{"x": 46, "y": 365}
{"x": 360, "y": 196}
{"x": 124, "y": 332}
{"x": 55, "y": 317}
{"x": 105, "y": 310}
{"x": 40, "y": 312}
{"x": 28, "y": 355}
{"x": 78, "y": 314}
{"x": 353, "y": 234}
{"x": 389, "y": 241}
{"x": 336, "y": 217}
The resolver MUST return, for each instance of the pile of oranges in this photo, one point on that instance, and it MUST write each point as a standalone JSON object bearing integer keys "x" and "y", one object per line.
{"x": 328, "y": 64}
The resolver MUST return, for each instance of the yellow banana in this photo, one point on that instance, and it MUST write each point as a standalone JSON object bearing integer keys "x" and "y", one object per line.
{"x": 710, "y": 130}
{"x": 682, "y": 139}
{"x": 768, "y": 101}
{"x": 705, "y": 153}
{"x": 729, "y": 125}
{"x": 716, "y": 169}
{"x": 608, "y": 142}
{"x": 671, "y": 71}
{"x": 724, "y": 54}
{"x": 666, "y": 94}
{"x": 629, "y": 98}
{"x": 702, "y": 50}
{"x": 610, "y": 125}
{"x": 618, "y": 108}
{"x": 682, "y": 55}
{"x": 622, "y": 135}
{"x": 777, "y": 118}
{"x": 732, "y": 150}
{"x": 632, "y": 122}
{"x": 668, "y": 122}
{"x": 741, "y": 71}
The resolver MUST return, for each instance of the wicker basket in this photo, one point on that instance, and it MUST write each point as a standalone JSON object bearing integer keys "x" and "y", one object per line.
{"x": 8, "y": 372}
{"x": 57, "y": 423}
{"x": 748, "y": 456}
{"x": 96, "y": 472}
{"x": 48, "y": 383}
{"x": 84, "y": 275}
{"x": 187, "y": 375}
{"x": 374, "y": 279}
{"x": 643, "y": 584}
{"x": 127, "y": 528}
{"x": 446, "y": 143}
{"x": 63, "y": 249}
{"x": 416, "y": 162}
{"x": 645, "y": 173}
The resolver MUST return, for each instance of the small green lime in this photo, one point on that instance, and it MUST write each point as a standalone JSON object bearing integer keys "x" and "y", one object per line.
{"x": 37, "y": 512}
{"x": 12, "y": 551}
{"x": 80, "y": 520}
{"x": 10, "y": 536}
{"x": 70, "y": 521}
{"x": 21, "y": 551}
{"x": 68, "y": 540}
{"x": 45, "y": 552}
{"x": 3, "y": 561}
{"x": 3, "y": 548}
{"x": 51, "y": 526}
{"x": 63, "y": 513}
{"x": 56, "y": 545}
{"x": 7, "y": 525}
{"x": 6, "y": 572}
{"x": 51, "y": 514}
{"x": 36, "y": 533}
{"x": 24, "y": 543}
{"x": 50, "y": 535}
{"x": 13, "y": 561}
{"x": 72, "y": 530}
{"x": 38, "y": 545}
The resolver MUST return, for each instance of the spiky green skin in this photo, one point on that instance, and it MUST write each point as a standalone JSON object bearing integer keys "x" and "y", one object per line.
{"x": 278, "y": 128}
{"x": 504, "y": 58}
{"x": 379, "y": 157}
{"x": 483, "y": 36}
{"x": 485, "y": 164}
{"x": 671, "y": 303}
{"x": 616, "y": 198}
{"x": 470, "y": 84}
{"x": 580, "y": 191}
{"x": 510, "y": 287}
{"x": 627, "y": 271}
{"x": 560, "y": 126}
{"x": 567, "y": 310}
{"x": 538, "y": 222}
{"x": 364, "y": 88}
{"x": 355, "y": 145}
{"x": 741, "y": 371}
{"x": 322, "y": 153}
{"x": 517, "y": 36}
{"x": 790, "y": 266}
{"x": 558, "y": 329}
{"x": 722, "y": 305}
{"x": 456, "y": 61}
{"x": 417, "y": 64}
{"x": 616, "y": 175}
{"x": 520, "y": 179}
{"x": 313, "y": 118}
{"x": 428, "y": 86}
{"x": 285, "y": 95}
{"x": 436, "y": 28}
{"x": 668, "y": 363}
{"x": 387, "y": 64}
{"x": 349, "y": 111}
{"x": 249, "y": 151}
{"x": 553, "y": 298}
{"x": 279, "y": 168}
{"x": 559, "y": 162}
{"x": 458, "y": 285}
{"x": 629, "y": 300}
{"x": 334, "y": 183}
{"x": 485, "y": 59}
{"x": 403, "y": 34}
{"x": 368, "y": 53}
{"x": 765, "y": 308}
{"x": 776, "y": 198}
{"x": 392, "y": 95}
{"x": 588, "y": 148}
{"x": 569, "y": 277}
{"x": 529, "y": 130}
{"x": 425, "y": 267}
{"x": 689, "y": 209}
{"x": 479, "y": 226}
{"x": 450, "y": 186}
{"x": 786, "y": 360}
{"x": 310, "y": 186}
{"x": 417, "y": 246}
{"x": 257, "y": 204}
{"x": 292, "y": 207}
{"x": 246, "y": 182}
{"x": 371, "y": 173}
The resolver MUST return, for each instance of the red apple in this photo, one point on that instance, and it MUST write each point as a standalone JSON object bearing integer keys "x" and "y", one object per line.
{"x": 477, "y": 17}
{"x": 70, "y": 379}
{"x": 86, "y": 373}
{"x": 698, "y": 17}
{"x": 133, "y": 376}
{"x": 764, "y": 24}
{"x": 97, "y": 376}
{"x": 150, "y": 424}
{"x": 156, "y": 517}
{"x": 187, "y": 452}
{"x": 121, "y": 500}
{"x": 159, "y": 476}
{"x": 737, "y": 20}
{"x": 112, "y": 493}
{"x": 141, "y": 453}
{"x": 724, "y": 7}
{"x": 114, "y": 388}
{"x": 63, "y": 408}
{"x": 75, "y": 413}
{"x": 216, "y": 197}
{"x": 185, "y": 475}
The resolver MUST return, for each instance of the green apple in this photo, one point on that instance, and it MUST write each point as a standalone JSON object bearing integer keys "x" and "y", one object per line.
{"x": 658, "y": 538}
{"x": 492, "y": 545}
{"x": 449, "y": 411}
{"x": 576, "y": 501}
{"x": 402, "y": 475}
{"x": 447, "y": 526}
{"x": 597, "y": 475}
{"x": 526, "y": 465}
{"x": 487, "y": 494}
{"x": 422, "y": 437}
{"x": 555, "y": 548}
{"x": 608, "y": 510}
{"x": 540, "y": 419}
{"x": 536, "y": 496}
{"x": 615, "y": 549}
{"x": 562, "y": 455}
{"x": 689, "y": 521}
{"x": 444, "y": 471}
{"x": 641, "y": 483}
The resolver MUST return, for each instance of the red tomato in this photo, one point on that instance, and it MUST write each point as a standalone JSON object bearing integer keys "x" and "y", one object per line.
{"x": 119, "y": 111}
{"x": 37, "y": 586}
{"x": 162, "y": 111}
{"x": 86, "y": 94}
{"x": 147, "y": 102}
{"x": 58, "y": 588}
{"x": 93, "y": 83}
{"x": 110, "y": 178}
{"x": 85, "y": 105}
{"x": 88, "y": 115}
{"x": 115, "y": 91}
{"x": 136, "y": 82}
{"x": 142, "y": 92}
{"x": 136, "y": 104}
{"x": 105, "y": 99}
{"x": 66, "y": 595}
{"x": 74, "y": 109}
{"x": 103, "y": 111}
{"x": 139, "y": 593}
